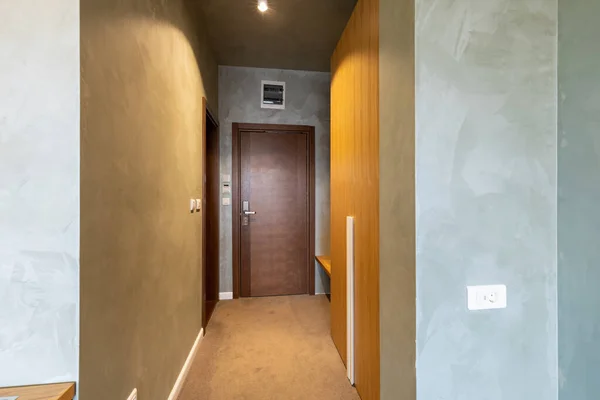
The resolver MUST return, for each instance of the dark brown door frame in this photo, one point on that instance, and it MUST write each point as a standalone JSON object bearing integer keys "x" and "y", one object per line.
{"x": 236, "y": 206}
{"x": 207, "y": 117}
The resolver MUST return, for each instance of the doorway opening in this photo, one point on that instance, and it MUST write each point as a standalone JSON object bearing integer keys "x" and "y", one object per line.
{"x": 273, "y": 208}
{"x": 210, "y": 214}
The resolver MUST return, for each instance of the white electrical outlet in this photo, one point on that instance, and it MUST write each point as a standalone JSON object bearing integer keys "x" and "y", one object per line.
{"x": 133, "y": 395}
{"x": 486, "y": 297}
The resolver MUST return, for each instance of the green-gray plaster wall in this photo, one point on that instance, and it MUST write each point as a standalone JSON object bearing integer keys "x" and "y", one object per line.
{"x": 578, "y": 199}
{"x": 486, "y": 149}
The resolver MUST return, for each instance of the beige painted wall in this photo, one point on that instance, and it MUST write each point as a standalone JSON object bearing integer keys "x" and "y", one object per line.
{"x": 397, "y": 199}
{"x": 145, "y": 65}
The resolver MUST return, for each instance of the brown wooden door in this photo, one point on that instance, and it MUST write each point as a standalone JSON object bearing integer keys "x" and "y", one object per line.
{"x": 274, "y": 232}
{"x": 210, "y": 217}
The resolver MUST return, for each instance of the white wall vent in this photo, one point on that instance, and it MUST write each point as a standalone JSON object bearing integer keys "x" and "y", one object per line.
{"x": 272, "y": 95}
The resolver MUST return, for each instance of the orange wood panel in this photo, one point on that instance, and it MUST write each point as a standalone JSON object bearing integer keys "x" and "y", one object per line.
{"x": 60, "y": 391}
{"x": 355, "y": 189}
{"x": 325, "y": 263}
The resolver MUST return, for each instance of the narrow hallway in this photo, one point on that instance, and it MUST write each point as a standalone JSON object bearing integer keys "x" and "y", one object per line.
{"x": 268, "y": 348}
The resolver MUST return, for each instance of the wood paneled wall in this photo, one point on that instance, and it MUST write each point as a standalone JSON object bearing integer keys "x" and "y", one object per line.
{"x": 355, "y": 188}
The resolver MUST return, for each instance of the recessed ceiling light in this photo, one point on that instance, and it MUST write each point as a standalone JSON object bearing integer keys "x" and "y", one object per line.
{"x": 263, "y": 6}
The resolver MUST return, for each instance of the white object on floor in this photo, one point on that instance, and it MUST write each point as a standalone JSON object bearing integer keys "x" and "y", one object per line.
{"x": 133, "y": 395}
{"x": 350, "y": 297}
{"x": 186, "y": 368}
{"x": 226, "y": 296}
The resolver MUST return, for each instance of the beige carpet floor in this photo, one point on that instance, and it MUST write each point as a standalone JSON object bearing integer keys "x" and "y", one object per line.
{"x": 276, "y": 348}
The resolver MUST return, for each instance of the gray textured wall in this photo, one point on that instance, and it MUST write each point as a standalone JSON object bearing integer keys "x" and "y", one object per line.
{"x": 307, "y": 103}
{"x": 39, "y": 191}
{"x": 578, "y": 199}
{"x": 486, "y": 197}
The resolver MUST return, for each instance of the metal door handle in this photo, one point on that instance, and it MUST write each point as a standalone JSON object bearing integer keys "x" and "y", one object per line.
{"x": 246, "y": 208}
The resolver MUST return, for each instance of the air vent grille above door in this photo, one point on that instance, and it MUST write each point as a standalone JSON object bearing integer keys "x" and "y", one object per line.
{"x": 272, "y": 95}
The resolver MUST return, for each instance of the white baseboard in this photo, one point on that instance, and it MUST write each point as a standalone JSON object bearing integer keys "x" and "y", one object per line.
{"x": 186, "y": 368}
{"x": 226, "y": 296}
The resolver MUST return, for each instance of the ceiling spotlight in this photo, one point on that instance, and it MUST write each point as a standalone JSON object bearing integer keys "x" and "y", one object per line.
{"x": 263, "y": 6}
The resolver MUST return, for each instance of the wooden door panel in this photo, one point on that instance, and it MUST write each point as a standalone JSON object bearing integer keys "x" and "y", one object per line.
{"x": 355, "y": 190}
{"x": 210, "y": 214}
{"x": 275, "y": 241}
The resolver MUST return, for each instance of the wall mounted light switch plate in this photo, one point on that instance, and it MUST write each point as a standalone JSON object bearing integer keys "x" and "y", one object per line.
{"x": 486, "y": 297}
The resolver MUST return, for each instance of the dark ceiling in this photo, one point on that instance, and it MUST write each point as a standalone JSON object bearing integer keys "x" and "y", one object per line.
{"x": 292, "y": 34}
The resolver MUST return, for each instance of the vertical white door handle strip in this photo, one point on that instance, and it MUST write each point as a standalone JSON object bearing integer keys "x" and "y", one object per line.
{"x": 350, "y": 297}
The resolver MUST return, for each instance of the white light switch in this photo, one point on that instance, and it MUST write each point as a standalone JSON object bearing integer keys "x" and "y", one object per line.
{"x": 192, "y": 204}
{"x": 198, "y": 204}
{"x": 226, "y": 201}
{"x": 486, "y": 297}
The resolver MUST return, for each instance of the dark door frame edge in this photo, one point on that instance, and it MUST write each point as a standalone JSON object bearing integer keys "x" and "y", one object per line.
{"x": 206, "y": 111}
{"x": 236, "y": 201}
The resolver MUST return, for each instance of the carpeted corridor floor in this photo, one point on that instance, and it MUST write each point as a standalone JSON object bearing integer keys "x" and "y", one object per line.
{"x": 275, "y": 348}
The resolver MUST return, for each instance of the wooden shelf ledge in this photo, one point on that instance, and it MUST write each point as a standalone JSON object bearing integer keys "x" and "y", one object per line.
{"x": 60, "y": 391}
{"x": 325, "y": 262}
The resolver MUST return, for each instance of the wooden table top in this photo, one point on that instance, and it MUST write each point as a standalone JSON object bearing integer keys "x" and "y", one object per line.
{"x": 325, "y": 262}
{"x": 60, "y": 391}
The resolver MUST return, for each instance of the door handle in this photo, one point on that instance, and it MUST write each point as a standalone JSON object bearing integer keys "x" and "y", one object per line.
{"x": 246, "y": 208}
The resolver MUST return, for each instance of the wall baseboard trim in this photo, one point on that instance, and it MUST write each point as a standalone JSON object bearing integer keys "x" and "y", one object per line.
{"x": 133, "y": 395}
{"x": 226, "y": 296}
{"x": 186, "y": 368}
